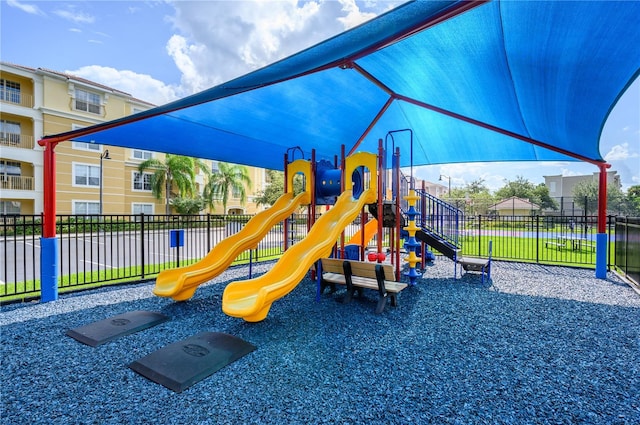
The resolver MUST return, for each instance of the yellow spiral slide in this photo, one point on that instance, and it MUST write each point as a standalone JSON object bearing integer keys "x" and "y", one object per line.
{"x": 181, "y": 283}
{"x": 252, "y": 299}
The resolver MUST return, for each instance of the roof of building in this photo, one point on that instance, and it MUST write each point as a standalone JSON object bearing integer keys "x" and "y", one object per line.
{"x": 514, "y": 203}
{"x": 75, "y": 78}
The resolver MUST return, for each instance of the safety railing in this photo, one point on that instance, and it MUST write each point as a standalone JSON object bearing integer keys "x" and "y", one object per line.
{"x": 15, "y": 140}
{"x": 16, "y": 182}
{"x": 440, "y": 217}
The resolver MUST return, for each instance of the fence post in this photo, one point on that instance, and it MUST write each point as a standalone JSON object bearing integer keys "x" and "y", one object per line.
{"x": 208, "y": 232}
{"x": 479, "y": 232}
{"x": 537, "y": 238}
{"x": 142, "y": 250}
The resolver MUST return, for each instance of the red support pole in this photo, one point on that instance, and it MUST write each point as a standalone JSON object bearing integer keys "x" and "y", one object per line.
{"x": 601, "y": 237}
{"x": 602, "y": 199}
{"x": 423, "y": 208}
{"x": 312, "y": 187}
{"x": 397, "y": 171}
{"x": 49, "y": 217}
{"x": 49, "y": 243}
{"x": 286, "y": 221}
{"x": 342, "y": 189}
{"x": 380, "y": 211}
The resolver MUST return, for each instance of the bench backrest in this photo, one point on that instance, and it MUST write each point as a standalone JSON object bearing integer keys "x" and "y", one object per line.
{"x": 358, "y": 268}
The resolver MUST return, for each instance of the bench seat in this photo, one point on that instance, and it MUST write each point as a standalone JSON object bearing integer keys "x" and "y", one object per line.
{"x": 358, "y": 275}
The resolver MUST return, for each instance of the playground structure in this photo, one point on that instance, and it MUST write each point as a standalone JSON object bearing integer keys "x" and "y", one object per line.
{"x": 359, "y": 182}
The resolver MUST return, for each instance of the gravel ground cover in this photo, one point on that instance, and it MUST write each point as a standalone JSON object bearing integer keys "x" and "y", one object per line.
{"x": 536, "y": 344}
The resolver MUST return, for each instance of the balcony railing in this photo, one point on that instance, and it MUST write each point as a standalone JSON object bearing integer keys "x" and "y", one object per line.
{"x": 15, "y": 140}
{"x": 17, "y": 98}
{"x": 16, "y": 183}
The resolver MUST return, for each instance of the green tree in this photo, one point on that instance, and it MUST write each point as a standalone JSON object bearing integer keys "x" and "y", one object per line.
{"x": 275, "y": 189}
{"x": 520, "y": 187}
{"x": 188, "y": 205}
{"x": 175, "y": 172}
{"x": 542, "y": 197}
{"x": 229, "y": 178}
{"x": 633, "y": 200}
{"x": 478, "y": 197}
{"x": 524, "y": 189}
{"x": 585, "y": 194}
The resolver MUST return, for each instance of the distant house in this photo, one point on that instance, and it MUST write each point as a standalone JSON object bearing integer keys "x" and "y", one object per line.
{"x": 514, "y": 206}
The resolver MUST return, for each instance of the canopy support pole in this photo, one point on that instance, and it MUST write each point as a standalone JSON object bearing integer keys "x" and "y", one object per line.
{"x": 601, "y": 237}
{"x": 49, "y": 241}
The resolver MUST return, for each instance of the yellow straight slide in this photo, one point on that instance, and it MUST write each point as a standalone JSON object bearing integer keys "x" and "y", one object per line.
{"x": 181, "y": 283}
{"x": 252, "y": 299}
{"x": 370, "y": 229}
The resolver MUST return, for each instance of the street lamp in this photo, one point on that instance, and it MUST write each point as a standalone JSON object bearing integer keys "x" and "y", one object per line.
{"x": 104, "y": 155}
{"x": 449, "y": 180}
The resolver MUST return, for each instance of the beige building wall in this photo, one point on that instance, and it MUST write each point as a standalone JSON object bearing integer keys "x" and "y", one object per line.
{"x": 41, "y": 102}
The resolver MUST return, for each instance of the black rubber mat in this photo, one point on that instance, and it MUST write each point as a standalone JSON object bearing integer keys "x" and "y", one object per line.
{"x": 106, "y": 330}
{"x": 181, "y": 364}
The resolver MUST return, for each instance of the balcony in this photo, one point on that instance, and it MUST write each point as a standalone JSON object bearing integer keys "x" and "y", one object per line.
{"x": 16, "y": 98}
{"x": 15, "y": 140}
{"x": 16, "y": 183}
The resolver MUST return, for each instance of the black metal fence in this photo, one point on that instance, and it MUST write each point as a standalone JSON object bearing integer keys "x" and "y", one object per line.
{"x": 628, "y": 247}
{"x": 100, "y": 250}
{"x": 567, "y": 240}
{"x": 564, "y": 206}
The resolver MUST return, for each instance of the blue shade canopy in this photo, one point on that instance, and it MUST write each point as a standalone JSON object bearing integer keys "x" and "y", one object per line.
{"x": 473, "y": 81}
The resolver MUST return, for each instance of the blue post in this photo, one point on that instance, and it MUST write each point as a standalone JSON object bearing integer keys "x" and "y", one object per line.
{"x": 601, "y": 255}
{"x": 48, "y": 269}
{"x": 411, "y": 244}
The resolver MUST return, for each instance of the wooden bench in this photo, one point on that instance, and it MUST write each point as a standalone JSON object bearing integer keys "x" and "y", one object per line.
{"x": 357, "y": 275}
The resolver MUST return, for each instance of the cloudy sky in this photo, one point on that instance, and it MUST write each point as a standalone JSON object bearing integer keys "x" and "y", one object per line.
{"x": 164, "y": 50}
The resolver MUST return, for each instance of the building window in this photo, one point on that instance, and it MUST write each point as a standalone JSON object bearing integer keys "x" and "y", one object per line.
{"x": 10, "y": 132}
{"x": 9, "y": 207}
{"x": 86, "y": 175}
{"x": 142, "y": 208}
{"x": 86, "y": 207}
{"x": 9, "y": 91}
{"x": 214, "y": 167}
{"x": 87, "y": 102}
{"x": 87, "y": 146}
{"x": 142, "y": 155}
{"x": 552, "y": 187}
{"x": 9, "y": 168}
{"x": 142, "y": 181}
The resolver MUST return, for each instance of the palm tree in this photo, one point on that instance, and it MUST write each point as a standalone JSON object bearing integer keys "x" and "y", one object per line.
{"x": 176, "y": 171}
{"x": 229, "y": 177}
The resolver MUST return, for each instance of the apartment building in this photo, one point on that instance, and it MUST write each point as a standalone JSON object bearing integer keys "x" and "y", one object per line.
{"x": 91, "y": 178}
{"x": 561, "y": 189}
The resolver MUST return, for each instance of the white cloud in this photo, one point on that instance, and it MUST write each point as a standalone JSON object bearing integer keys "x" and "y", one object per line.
{"x": 218, "y": 41}
{"x": 27, "y": 8}
{"x": 620, "y": 153}
{"x": 140, "y": 86}
{"x": 76, "y": 17}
